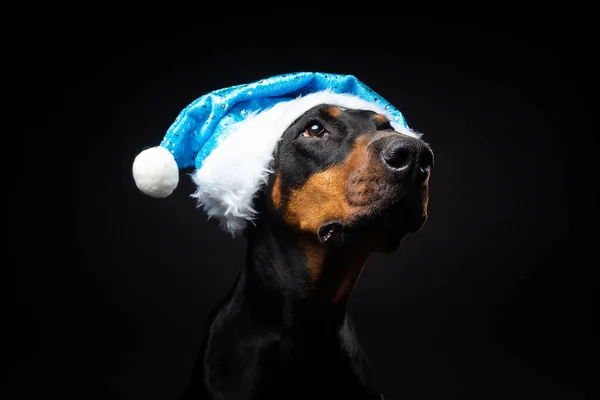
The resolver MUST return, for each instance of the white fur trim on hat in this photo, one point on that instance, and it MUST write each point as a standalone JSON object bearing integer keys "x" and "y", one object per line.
{"x": 235, "y": 171}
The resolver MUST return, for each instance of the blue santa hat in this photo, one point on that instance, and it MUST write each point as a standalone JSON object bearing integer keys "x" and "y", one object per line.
{"x": 229, "y": 136}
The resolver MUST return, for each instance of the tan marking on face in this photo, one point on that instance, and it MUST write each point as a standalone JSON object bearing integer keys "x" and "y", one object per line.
{"x": 276, "y": 192}
{"x": 333, "y": 111}
{"x": 339, "y": 193}
{"x": 328, "y": 196}
{"x": 335, "y": 282}
{"x": 381, "y": 118}
{"x": 347, "y": 284}
{"x": 315, "y": 255}
{"x": 323, "y": 196}
{"x": 357, "y": 258}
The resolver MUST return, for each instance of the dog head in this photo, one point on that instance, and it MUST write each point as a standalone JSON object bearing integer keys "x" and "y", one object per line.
{"x": 343, "y": 175}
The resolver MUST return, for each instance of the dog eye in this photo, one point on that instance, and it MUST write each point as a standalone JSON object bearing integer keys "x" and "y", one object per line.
{"x": 314, "y": 129}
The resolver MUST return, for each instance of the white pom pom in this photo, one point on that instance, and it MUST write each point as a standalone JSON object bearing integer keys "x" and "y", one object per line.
{"x": 155, "y": 172}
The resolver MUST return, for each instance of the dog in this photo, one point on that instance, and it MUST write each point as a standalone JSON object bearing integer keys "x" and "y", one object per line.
{"x": 344, "y": 185}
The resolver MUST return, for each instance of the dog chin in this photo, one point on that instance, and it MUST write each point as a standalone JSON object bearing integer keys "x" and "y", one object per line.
{"x": 394, "y": 223}
{"x": 336, "y": 235}
{"x": 391, "y": 238}
{"x": 383, "y": 225}
{"x": 401, "y": 218}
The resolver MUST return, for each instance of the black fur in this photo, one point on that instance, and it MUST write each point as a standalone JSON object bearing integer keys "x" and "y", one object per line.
{"x": 274, "y": 336}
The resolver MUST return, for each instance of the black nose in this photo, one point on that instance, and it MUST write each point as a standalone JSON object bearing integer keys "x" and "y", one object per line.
{"x": 408, "y": 157}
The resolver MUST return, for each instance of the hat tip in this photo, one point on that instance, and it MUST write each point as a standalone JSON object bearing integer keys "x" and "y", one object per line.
{"x": 155, "y": 172}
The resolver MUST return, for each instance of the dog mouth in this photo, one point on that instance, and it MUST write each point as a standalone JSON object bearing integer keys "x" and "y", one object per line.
{"x": 331, "y": 233}
{"x": 338, "y": 235}
{"x": 385, "y": 220}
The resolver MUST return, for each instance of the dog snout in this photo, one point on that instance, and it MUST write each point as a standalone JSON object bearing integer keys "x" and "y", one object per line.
{"x": 409, "y": 158}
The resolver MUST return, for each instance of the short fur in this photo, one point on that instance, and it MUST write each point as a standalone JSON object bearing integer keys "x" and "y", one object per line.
{"x": 234, "y": 172}
{"x": 343, "y": 185}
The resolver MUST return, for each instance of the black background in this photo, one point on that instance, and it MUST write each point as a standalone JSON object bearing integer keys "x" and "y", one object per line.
{"x": 491, "y": 300}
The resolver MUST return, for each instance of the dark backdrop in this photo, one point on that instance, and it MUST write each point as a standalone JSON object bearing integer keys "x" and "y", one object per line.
{"x": 491, "y": 300}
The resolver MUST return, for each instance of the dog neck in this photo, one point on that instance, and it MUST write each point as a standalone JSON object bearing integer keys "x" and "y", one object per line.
{"x": 294, "y": 278}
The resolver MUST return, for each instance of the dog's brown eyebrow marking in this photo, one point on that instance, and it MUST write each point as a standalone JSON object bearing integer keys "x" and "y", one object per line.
{"x": 381, "y": 118}
{"x": 333, "y": 111}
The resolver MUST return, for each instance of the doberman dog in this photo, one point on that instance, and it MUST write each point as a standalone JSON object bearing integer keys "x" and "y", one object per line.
{"x": 344, "y": 185}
